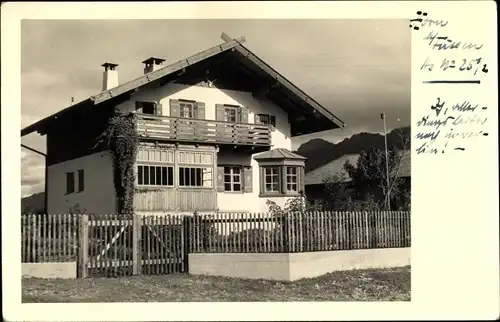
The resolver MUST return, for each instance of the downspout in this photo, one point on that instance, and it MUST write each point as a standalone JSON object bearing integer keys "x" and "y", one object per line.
{"x": 46, "y": 193}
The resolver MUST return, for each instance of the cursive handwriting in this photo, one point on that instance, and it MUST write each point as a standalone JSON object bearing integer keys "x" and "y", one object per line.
{"x": 449, "y": 122}
{"x": 446, "y": 43}
{"x": 420, "y": 22}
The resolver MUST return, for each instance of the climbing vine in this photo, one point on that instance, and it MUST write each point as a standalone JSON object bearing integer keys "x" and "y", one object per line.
{"x": 120, "y": 138}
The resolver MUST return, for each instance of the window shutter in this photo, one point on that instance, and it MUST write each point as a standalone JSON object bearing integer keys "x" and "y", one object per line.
{"x": 200, "y": 110}
{"x": 174, "y": 108}
{"x": 219, "y": 112}
{"x": 243, "y": 114}
{"x": 247, "y": 179}
{"x": 220, "y": 179}
{"x": 159, "y": 109}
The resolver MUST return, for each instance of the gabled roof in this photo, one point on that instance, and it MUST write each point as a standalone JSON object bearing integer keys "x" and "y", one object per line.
{"x": 334, "y": 167}
{"x": 279, "y": 154}
{"x": 330, "y": 169}
{"x": 282, "y": 85}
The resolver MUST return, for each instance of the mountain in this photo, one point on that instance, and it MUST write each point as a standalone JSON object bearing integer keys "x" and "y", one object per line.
{"x": 319, "y": 151}
{"x": 33, "y": 204}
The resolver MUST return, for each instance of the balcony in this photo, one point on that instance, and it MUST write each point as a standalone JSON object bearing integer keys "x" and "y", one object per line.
{"x": 177, "y": 129}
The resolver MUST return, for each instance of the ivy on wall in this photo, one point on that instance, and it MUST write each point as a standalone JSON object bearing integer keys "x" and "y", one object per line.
{"x": 120, "y": 138}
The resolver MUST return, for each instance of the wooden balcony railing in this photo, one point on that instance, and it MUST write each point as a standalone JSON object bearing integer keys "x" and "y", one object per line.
{"x": 202, "y": 131}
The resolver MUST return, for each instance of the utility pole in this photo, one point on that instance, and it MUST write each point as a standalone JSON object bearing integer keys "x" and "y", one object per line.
{"x": 388, "y": 198}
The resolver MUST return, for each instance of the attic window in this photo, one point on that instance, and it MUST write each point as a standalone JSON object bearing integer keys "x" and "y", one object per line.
{"x": 146, "y": 107}
{"x": 266, "y": 119}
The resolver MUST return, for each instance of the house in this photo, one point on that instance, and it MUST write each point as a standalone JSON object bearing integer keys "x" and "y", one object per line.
{"x": 214, "y": 134}
{"x": 315, "y": 181}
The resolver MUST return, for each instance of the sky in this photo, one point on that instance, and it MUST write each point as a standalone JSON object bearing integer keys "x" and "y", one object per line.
{"x": 355, "y": 68}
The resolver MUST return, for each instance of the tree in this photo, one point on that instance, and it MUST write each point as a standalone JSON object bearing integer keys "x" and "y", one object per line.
{"x": 369, "y": 176}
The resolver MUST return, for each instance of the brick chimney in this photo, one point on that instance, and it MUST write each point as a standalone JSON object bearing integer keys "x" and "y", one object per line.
{"x": 110, "y": 76}
{"x": 151, "y": 64}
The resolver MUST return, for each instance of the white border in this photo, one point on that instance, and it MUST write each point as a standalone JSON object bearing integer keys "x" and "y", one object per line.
{"x": 455, "y": 206}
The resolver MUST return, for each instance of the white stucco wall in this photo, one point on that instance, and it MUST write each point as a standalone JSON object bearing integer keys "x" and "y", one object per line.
{"x": 98, "y": 195}
{"x": 280, "y": 137}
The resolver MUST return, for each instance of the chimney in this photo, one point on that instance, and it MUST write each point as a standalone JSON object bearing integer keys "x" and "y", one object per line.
{"x": 151, "y": 64}
{"x": 110, "y": 76}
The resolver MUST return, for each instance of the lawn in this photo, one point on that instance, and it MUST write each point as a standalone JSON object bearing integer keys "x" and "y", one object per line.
{"x": 357, "y": 285}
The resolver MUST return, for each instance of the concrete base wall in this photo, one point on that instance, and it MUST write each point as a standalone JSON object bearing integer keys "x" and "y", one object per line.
{"x": 49, "y": 270}
{"x": 294, "y": 266}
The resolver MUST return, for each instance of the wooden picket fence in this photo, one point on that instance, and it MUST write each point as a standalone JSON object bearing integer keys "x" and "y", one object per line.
{"x": 299, "y": 232}
{"x": 49, "y": 238}
{"x": 117, "y": 245}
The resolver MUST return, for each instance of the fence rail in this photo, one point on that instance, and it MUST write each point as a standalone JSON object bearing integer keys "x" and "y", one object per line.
{"x": 299, "y": 232}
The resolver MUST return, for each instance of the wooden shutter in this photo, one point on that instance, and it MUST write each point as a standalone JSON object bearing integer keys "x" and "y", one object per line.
{"x": 159, "y": 109}
{"x": 219, "y": 112}
{"x": 220, "y": 179}
{"x": 81, "y": 180}
{"x": 174, "y": 108}
{"x": 243, "y": 117}
{"x": 247, "y": 179}
{"x": 199, "y": 112}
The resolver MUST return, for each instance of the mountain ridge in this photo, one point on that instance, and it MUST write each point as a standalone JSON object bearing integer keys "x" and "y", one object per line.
{"x": 352, "y": 145}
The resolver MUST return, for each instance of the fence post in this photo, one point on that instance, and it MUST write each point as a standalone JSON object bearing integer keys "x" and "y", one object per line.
{"x": 136, "y": 249}
{"x": 186, "y": 241}
{"x": 83, "y": 243}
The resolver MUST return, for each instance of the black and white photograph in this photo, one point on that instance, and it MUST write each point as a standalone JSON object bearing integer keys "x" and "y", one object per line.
{"x": 249, "y": 161}
{"x": 215, "y": 160}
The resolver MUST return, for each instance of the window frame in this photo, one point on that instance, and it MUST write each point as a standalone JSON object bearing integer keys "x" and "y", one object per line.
{"x": 232, "y": 176}
{"x": 272, "y": 183}
{"x": 139, "y": 106}
{"x": 290, "y": 176}
{"x": 192, "y": 109}
{"x": 283, "y": 178}
{"x": 230, "y": 108}
{"x": 271, "y": 119}
{"x": 141, "y": 176}
{"x": 189, "y": 166}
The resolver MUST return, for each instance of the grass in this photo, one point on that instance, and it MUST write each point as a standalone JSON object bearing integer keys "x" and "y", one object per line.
{"x": 357, "y": 285}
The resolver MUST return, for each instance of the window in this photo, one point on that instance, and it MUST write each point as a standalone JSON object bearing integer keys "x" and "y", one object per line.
{"x": 271, "y": 179}
{"x": 150, "y": 175}
{"x": 81, "y": 181}
{"x": 70, "y": 182}
{"x": 232, "y": 178}
{"x": 146, "y": 107}
{"x": 195, "y": 177}
{"x": 292, "y": 179}
{"x": 230, "y": 114}
{"x": 266, "y": 119}
{"x": 186, "y": 109}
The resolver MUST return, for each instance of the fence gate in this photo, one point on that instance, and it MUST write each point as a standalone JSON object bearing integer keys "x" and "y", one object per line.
{"x": 162, "y": 245}
{"x": 120, "y": 246}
